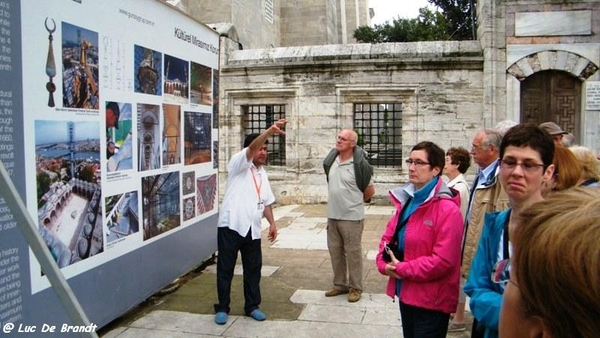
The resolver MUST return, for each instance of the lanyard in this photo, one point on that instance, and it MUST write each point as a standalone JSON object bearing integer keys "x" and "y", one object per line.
{"x": 256, "y": 186}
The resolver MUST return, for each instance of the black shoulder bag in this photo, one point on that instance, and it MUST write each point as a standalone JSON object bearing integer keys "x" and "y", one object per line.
{"x": 393, "y": 245}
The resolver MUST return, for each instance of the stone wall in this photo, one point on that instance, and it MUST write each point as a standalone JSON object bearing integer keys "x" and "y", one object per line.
{"x": 248, "y": 17}
{"x": 448, "y": 90}
{"x": 549, "y": 35}
{"x": 295, "y": 23}
{"x": 356, "y": 15}
{"x": 440, "y": 86}
{"x": 309, "y": 22}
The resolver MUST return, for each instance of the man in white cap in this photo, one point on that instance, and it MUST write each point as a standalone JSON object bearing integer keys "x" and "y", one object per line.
{"x": 555, "y": 131}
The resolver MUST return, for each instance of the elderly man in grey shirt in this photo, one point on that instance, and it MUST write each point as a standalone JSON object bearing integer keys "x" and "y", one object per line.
{"x": 349, "y": 186}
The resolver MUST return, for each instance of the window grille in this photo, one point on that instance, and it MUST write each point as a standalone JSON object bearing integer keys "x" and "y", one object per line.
{"x": 257, "y": 118}
{"x": 379, "y": 129}
{"x": 269, "y": 10}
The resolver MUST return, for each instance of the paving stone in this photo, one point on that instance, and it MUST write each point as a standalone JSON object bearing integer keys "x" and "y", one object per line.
{"x": 296, "y": 274}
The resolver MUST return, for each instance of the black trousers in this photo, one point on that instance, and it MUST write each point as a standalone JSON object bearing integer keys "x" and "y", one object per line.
{"x": 423, "y": 323}
{"x": 477, "y": 330}
{"x": 229, "y": 243}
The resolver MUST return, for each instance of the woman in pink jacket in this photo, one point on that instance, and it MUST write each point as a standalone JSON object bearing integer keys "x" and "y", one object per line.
{"x": 420, "y": 249}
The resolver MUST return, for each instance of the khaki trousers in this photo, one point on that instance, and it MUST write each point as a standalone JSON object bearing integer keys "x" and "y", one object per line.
{"x": 345, "y": 249}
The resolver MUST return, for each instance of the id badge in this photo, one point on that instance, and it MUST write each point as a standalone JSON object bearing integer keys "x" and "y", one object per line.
{"x": 261, "y": 206}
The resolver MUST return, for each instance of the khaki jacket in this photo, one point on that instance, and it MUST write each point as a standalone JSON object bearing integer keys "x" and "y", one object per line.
{"x": 488, "y": 198}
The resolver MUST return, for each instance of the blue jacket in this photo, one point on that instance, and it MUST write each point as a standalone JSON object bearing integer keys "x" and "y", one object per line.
{"x": 486, "y": 296}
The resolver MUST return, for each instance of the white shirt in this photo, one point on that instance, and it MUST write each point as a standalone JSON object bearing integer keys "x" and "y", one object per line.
{"x": 486, "y": 173}
{"x": 241, "y": 209}
{"x": 460, "y": 183}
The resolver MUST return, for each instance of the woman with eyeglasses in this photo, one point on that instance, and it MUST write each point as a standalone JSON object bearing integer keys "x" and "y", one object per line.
{"x": 420, "y": 248}
{"x": 553, "y": 287}
{"x": 526, "y": 154}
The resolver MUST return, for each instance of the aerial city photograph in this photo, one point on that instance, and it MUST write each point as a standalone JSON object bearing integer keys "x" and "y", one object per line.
{"x": 68, "y": 188}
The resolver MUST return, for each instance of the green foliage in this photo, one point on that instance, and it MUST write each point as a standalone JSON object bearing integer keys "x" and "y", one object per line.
{"x": 43, "y": 184}
{"x": 368, "y": 34}
{"x": 459, "y": 18}
{"x": 87, "y": 174}
{"x": 453, "y": 22}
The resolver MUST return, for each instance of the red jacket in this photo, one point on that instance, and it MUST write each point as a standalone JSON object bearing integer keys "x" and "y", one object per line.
{"x": 430, "y": 271}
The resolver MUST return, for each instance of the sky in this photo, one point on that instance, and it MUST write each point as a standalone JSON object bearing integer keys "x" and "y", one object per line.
{"x": 387, "y": 10}
{"x": 58, "y": 131}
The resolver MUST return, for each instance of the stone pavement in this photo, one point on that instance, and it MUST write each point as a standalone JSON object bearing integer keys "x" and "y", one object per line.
{"x": 296, "y": 273}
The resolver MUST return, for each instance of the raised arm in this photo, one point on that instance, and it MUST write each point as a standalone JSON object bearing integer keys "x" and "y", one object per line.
{"x": 258, "y": 142}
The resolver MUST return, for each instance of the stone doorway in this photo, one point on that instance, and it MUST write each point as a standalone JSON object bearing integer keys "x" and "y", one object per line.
{"x": 552, "y": 96}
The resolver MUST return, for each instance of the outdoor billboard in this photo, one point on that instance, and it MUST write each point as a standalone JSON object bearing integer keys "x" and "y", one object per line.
{"x": 108, "y": 115}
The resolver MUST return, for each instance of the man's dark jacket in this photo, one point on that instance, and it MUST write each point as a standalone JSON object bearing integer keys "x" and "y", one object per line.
{"x": 362, "y": 169}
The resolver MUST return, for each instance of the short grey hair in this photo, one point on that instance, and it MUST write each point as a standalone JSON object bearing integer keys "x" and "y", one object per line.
{"x": 503, "y": 126}
{"x": 492, "y": 137}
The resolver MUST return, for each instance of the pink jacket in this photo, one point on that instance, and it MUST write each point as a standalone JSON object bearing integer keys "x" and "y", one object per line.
{"x": 430, "y": 271}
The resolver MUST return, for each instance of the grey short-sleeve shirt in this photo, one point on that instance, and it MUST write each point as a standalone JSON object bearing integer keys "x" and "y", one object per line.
{"x": 345, "y": 198}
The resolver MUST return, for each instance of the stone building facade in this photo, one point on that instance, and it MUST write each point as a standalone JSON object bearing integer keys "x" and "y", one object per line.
{"x": 548, "y": 54}
{"x": 276, "y": 23}
{"x": 534, "y": 60}
{"x": 438, "y": 85}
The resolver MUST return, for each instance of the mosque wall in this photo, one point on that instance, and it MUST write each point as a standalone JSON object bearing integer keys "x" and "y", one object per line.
{"x": 439, "y": 85}
{"x": 316, "y": 19}
{"x": 448, "y": 90}
{"x": 546, "y": 35}
{"x": 273, "y": 23}
{"x": 257, "y": 21}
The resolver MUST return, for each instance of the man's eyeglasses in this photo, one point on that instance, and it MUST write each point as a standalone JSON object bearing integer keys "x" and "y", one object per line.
{"x": 527, "y": 165}
{"x": 418, "y": 163}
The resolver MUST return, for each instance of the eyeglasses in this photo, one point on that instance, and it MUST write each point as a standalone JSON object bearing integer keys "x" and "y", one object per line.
{"x": 417, "y": 163}
{"x": 527, "y": 165}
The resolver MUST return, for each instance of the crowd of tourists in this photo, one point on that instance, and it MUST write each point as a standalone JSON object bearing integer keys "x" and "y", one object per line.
{"x": 522, "y": 241}
{"x": 532, "y": 202}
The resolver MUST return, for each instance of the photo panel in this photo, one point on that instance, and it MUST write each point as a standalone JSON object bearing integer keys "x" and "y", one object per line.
{"x": 176, "y": 80}
{"x": 215, "y": 101}
{"x": 80, "y": 67}
{"x": 206, "y": 193}
{"x": 68, "y": 189}
{"x": 122, "y": 217}
{"x": 148, "y": 71}
{"x": 161, "y": 209}
{"x": 197, "y": 137}
{"x": 119, "y": 139}
{"x": 171, "y": 135}
{"x": 188, "y": 179}
{"x": 148, "y": 137}
{"x": 201, "y": 91}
